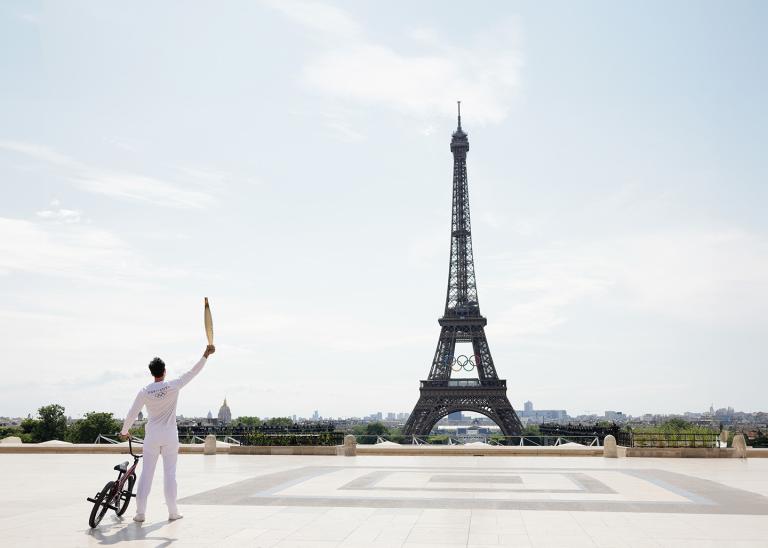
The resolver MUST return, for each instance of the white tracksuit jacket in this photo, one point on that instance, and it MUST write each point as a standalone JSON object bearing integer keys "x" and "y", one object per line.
{"x": 160, "y": 399}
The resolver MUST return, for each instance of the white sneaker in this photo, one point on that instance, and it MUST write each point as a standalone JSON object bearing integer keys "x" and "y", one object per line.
{"x": 173, "y": 517}
{"x": 138, "y": 518}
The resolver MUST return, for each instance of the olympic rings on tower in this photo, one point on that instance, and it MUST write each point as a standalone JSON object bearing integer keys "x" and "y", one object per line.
{"x": 467, "y": 363}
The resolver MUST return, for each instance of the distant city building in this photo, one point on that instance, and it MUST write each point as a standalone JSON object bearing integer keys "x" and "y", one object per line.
{"x": 210, "y": 415}
{"x": 455, "y": 416}
{"x": 725, "y": 412}
{"x": 615, "y": 416}
{"x": 468, "y": 430}
{"x": 538, "y": 416}
{"x": 403, "y": 416}
{"x": 315, "y": 415}
{"x": 391, "y": 417}
{"x": 528, "y": 406}
{"x": 225, "y": 415}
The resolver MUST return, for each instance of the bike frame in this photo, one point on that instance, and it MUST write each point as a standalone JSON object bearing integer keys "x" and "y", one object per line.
{"x": 122, "y": 477}
{"x": 117, "y": 486}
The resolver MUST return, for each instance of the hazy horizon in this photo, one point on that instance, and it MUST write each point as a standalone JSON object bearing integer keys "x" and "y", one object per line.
{"x": 290, "y": 161}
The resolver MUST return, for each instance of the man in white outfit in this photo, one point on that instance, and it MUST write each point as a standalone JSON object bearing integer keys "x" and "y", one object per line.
{"x": 160, "y": 434}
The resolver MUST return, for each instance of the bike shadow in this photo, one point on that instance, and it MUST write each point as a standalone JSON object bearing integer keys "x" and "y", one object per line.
{"x": 122, "y": 530}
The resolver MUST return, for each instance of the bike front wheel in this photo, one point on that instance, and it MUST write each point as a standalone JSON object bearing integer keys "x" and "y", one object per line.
{"x": 101, "y": 504}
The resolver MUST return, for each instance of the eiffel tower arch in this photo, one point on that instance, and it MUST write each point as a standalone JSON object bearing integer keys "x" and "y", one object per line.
{"x": 440, "y": 394}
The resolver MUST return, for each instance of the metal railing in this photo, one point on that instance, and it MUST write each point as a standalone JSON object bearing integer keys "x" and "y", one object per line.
{"x": 489, "y": 439}
{"x": 224, "y": 438}
{"x": 672, "y": 440}
{"x": 102, "y": 438}
{"x": 291, "y": 439}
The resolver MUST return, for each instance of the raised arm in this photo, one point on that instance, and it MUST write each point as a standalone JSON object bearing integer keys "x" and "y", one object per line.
{"x": 182, "y": 381}
{"x": 130, "y": 418}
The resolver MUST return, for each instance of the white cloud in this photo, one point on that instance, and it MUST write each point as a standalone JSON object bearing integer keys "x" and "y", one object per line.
{"x": 59, "y": 214}
{"x": 707, "y": 275}
{"x": 318, "y": 17}
{"x": 207, "y": 177}
{"x": 73, "y": 251}
{"x": 141, "y": 188}
{"x": 419, "y": 85}
{"x": 715, "y": 276}
{"x": 483, "y": 73}
{"x": 425, "y": 34}
{"x": 115, "y": 184}
{"x": 40, "y": 152}
{"x": 342, "y": 128}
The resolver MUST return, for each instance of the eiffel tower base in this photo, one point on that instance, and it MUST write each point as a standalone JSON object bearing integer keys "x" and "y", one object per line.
{"x": 440, "y": 398}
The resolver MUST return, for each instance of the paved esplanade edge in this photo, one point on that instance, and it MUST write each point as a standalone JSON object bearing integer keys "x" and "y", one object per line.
{"x": 293, "y": 501}
{"x": 462, "y": 322}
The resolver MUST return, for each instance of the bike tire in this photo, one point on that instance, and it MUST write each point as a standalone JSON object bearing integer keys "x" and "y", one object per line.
{"x": 125, "y": 495}
{"x": 101, "y": 505}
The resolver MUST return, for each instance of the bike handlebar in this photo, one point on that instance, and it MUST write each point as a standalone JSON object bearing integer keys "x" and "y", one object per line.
{"x": 130, "y": 447}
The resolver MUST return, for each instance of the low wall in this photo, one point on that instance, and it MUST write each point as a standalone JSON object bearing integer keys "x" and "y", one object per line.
{"x": 285, "y": 450}
{"x": 680, "y": 452}
{"x": 92, "y": 448}
{"x": 492, "y": 451}
{"x": 406, "y": 450}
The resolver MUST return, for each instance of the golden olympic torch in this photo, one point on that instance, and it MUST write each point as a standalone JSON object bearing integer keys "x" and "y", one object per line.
{"x": 208, "y": 322}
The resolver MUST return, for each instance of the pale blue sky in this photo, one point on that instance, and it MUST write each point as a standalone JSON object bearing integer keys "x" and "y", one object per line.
{"x": 290, "y": 161}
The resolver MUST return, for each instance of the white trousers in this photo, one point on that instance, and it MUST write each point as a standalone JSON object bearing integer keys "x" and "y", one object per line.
{"x": 170, "y": 453}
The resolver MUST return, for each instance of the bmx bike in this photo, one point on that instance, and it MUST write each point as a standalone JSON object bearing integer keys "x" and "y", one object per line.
{"x": 116, "y": 495}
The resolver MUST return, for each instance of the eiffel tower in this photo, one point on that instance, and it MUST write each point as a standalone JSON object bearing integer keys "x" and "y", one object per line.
{"x": 462, "y": 323}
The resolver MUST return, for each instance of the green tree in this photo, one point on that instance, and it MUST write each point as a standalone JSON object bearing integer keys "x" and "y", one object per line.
{"x": 760, "y": 441}
{"x": 376, "y": 429}
{"x": 51, "y": 423}
{"x": 532, "y": 430}
{"x": 438, "y": 439}
{"x": 17, "y": 431}
{"x": 6, "y": 431}
{"x": 248, "y": 421}
{"x": 88, "y": 428}
{"x": 396, "y": 435}
{"x": 280, "y": 421}
{"x": 28, "y": 425}
{"x": 676, "y": 425}
{"x": 138, "y": 431}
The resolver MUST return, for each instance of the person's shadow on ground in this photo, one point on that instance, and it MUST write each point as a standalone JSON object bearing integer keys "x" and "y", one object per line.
{"x": 121, "y": 530}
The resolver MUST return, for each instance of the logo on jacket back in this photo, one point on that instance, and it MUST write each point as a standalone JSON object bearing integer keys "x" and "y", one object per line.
{"x": 158, "y": 393}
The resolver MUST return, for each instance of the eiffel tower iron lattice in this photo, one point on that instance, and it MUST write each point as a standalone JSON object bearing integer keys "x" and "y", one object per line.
{"x": 462, "y": 323}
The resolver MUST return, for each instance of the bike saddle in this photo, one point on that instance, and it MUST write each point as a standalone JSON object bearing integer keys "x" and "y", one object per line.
{"x": 122, "y": 467}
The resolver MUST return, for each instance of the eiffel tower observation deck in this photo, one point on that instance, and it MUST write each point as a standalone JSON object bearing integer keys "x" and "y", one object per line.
{"x": 462, "y": 322}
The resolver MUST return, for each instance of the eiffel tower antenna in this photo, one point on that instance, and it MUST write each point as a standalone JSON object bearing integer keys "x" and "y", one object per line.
{"x": 462, "y": 322}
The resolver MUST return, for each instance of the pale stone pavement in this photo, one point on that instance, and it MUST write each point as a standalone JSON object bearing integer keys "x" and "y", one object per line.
{"x": 293, "y": 501}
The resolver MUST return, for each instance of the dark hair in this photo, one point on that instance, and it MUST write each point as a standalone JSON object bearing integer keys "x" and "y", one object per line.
{"x": 157, "y": 367}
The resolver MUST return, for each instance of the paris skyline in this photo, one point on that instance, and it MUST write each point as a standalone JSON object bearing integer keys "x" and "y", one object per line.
{"x": 291, "y": 162}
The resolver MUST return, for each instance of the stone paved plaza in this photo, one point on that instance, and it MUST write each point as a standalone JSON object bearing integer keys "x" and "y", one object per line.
{"x": 237, "y": 500}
